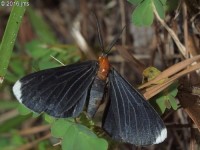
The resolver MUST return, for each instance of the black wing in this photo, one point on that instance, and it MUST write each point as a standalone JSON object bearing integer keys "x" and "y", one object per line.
{"x": 129, "y": 117}
{"x": 60, "y": 92}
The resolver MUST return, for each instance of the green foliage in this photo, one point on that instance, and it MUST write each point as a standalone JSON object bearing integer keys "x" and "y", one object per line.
{"x": 40, "y": 51}
{"x": 76, "y": 136}
{"x": 166, "y": 99}
{"x": 42, "y": 54}
{"x": 15, "y": 70}
{"x": 12, "y": 142}
{"x": 13, "y": 123}
{"x": 41, "y": 28}
{"x": 135, "y": 2}
{"x": 150, "y": 73}
{"x": 172, "y": 5}
{"x": 143, "y": 13}
{"x": 83, "y": 119}
{"x": 24, "y": 110}
{"x": 6, "y": 105}
{"x": 43, "y": 145}
{"x": 159, "y": 5}
{"x": 15, "y": 140}
{"x": 48, "y": 118}
{"x": 59, "y": 127}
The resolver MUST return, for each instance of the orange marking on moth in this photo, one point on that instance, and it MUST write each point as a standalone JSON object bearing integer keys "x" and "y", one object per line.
{"x": 104, "y": 67}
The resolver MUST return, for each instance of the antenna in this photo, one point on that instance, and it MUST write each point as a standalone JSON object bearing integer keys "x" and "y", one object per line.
{"x": 100, "y": 37}
{"x": 115, "y": 40}
{"x": 99, "y": 33}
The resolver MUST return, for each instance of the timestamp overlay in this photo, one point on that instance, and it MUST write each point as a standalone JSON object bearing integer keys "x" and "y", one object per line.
{"x": 7, "y": 3}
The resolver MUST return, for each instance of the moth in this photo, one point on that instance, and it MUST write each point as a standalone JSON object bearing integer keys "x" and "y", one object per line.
{"x": 63, "y": 92}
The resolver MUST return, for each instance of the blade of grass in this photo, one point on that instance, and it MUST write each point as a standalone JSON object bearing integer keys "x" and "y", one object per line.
{"x": 10, "y": 35}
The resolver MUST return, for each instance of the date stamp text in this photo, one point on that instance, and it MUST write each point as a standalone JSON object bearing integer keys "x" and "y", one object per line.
{"x": 9, "y": 3}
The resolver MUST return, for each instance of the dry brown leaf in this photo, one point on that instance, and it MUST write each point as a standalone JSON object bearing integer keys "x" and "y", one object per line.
{"x": 156, "y": 89}
{"x": 171, "y": 71}
{"x": 191, "y": 104}
{"x": 152, "y": 91}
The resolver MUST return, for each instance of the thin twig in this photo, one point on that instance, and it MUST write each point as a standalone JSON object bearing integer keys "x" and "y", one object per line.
{"x": 8, "y": 115}
{"x": 158, "y": 88}
{"x": 34, "y": 130}
{"x": 185, "y": 26}
{"x": 181, "y": 47}
{"x": 32, "y": 144}
{"x": 80, "y": 40}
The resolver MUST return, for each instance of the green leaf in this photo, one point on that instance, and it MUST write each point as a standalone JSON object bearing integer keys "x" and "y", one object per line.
{"x": 42, "y": 29}
{"x": 171, "y": 5}
{"x": 85, "y": 141}
{"x": 160, "y": 8}
{"x": 45, "y": 64}
{"x": 98, "y": 144}
{"x": 23, "y": 110}
{"x": 49, "y": 119}
{"x": 35, "y": 115}
{"x": 17, "y": 140}
{"x": 42, "y": 52}
{"x": 173, "y": 102}
{"x": 173, "y": 89}
{"x": 166, "y": 99}
{"x": 159, "y": 104}
{"x": 59, "y": 127}
{"x": 4, "y": 104}
{"x": 150, "y": 73}
{"x": 37, "y": 49}
{"x": 143, "y": 14}
{"x": 13, "y": 123}
{"x": 69, "y": 141}
{"x": 42, "y": 145}
{"x": 3, "y": 142}
{"x": 16, "y": 66}
{"x": 163, "y": 2}
{"x": 135, "y": 2}
{"x": 85, "y": 130}
{"x": 12, "y": 142}
{"x": 15, "y": 70}
{"x": 10, "y": 77}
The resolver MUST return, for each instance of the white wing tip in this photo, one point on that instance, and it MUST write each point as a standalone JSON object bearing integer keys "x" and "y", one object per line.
{"x": 161, "y": 137}
{"x": 17, "y": 91}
